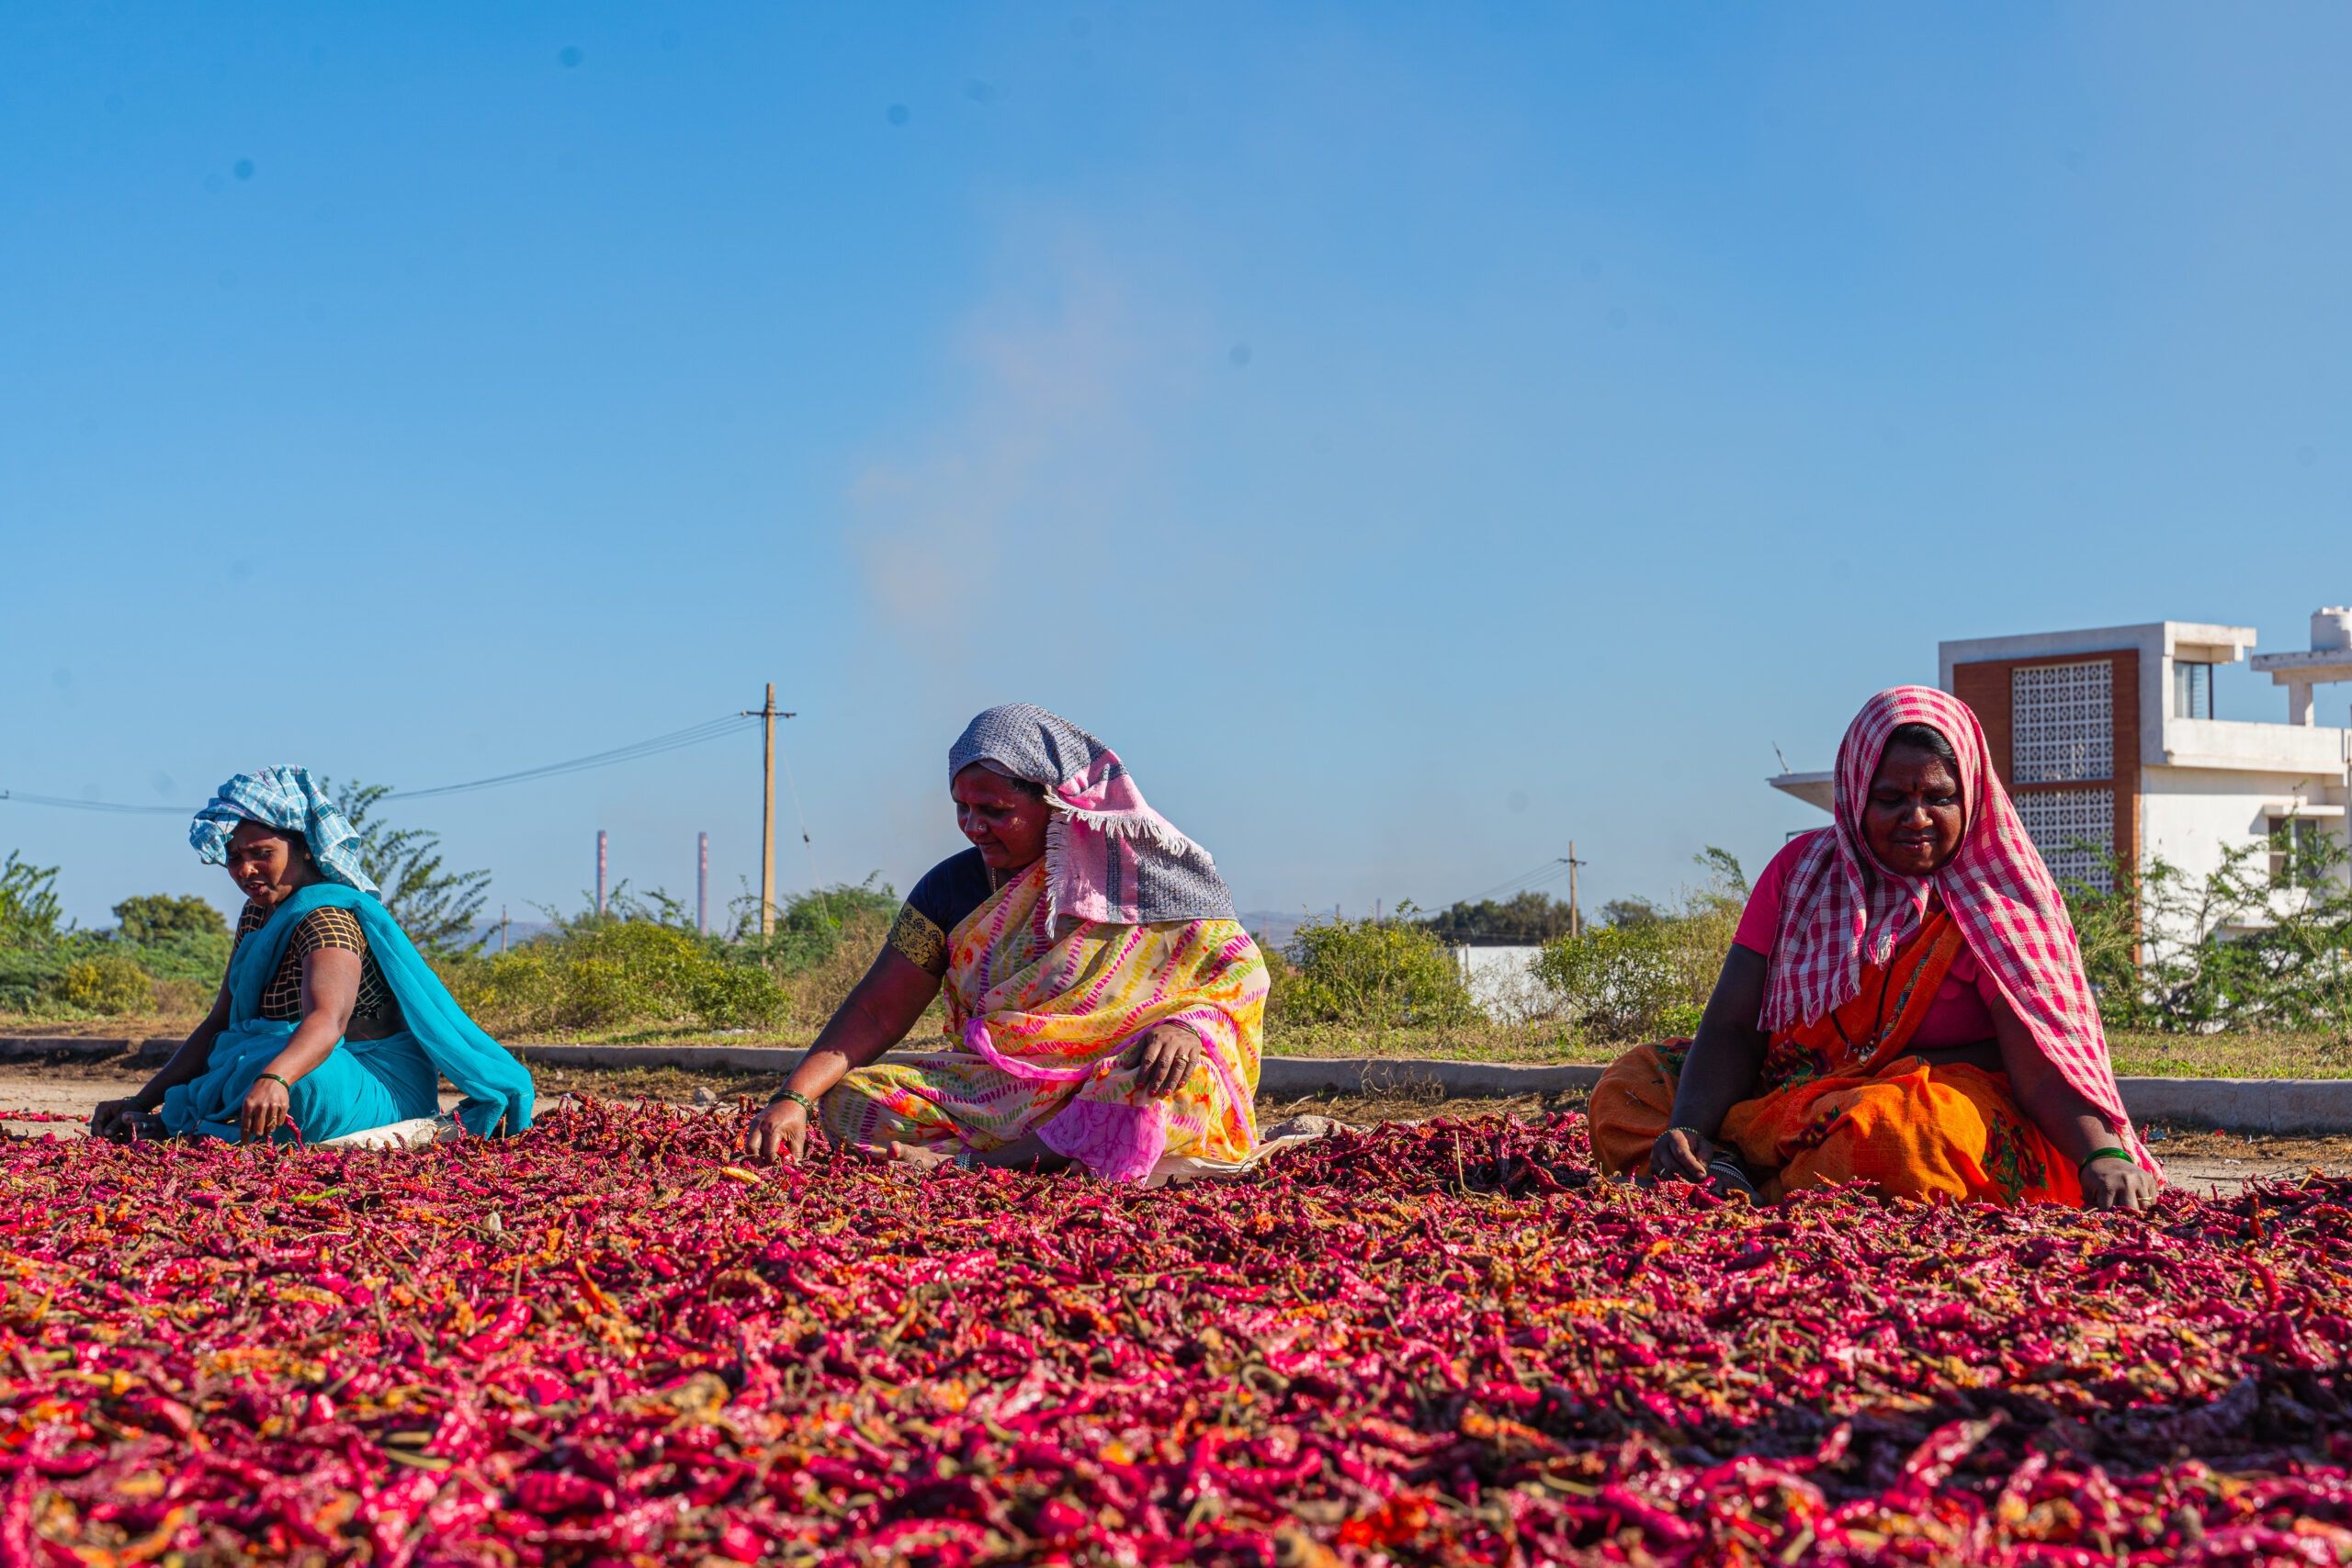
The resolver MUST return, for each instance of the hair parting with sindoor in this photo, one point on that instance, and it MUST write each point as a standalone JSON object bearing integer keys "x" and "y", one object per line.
{"x": 1924, "y": 737}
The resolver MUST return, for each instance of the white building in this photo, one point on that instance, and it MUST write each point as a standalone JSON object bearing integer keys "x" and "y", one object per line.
{"x": 2108, "y": 736}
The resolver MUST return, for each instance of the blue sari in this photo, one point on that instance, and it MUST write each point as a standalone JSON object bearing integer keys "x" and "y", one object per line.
{"x": 361, "y": 1083}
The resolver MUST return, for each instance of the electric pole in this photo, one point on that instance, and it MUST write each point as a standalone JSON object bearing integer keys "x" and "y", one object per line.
{"x": 767, "y": 714}
{"x": 1576, "y": 915}
{"x": 702, "y": 883}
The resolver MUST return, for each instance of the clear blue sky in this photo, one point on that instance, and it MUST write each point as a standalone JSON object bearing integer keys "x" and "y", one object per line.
{"x": 1412, "y": 436}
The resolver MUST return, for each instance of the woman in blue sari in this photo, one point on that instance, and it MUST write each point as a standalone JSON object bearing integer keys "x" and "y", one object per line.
{"x": 328, "y": 1022}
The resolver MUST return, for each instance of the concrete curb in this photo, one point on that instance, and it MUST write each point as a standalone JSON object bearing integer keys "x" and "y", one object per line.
{"x": 2244, "y": 1105}
{"x": 152, "y": 1052}
{"x": 2255, "y": 1105}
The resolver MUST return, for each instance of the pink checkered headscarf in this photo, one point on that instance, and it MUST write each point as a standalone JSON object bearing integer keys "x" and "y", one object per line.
{"x": 1841, "y": 906}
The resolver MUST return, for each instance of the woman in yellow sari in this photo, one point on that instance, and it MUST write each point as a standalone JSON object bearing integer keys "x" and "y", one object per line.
{"x": 1904, "y": 1006}
{"x": 1106, "y": 1001}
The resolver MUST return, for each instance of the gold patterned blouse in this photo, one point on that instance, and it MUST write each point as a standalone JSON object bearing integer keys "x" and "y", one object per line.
{"x": 948, "y": 892}
{"x": 281, "y": 999}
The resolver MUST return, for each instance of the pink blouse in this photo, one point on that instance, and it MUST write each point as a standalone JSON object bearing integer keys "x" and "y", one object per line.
{"x": 1961, "y": 1013}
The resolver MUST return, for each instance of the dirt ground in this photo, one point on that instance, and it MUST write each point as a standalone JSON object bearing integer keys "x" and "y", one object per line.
{"x": 2206, "y": 1161}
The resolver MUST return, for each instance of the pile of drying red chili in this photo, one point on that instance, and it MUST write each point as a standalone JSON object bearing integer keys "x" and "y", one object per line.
{"x": 600, "y": 1344}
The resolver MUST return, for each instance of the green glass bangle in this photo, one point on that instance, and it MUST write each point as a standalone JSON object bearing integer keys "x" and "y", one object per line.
{"x": 274, "y": 1078}
{"x": 797, "y": 1099}
{"x": 2123, "y": 1154}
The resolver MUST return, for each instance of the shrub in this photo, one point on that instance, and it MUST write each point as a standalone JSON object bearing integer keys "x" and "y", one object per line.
{"x": 1618, "y": 981}
{"x": 2246, "y": 947}
{"x": 826, "y": 978}
{"x": 618, "y": 972}
{"x": 1648, "y": 975}
{"x": 31, "y": 915}
{"x": 1387, "y": 974}
{"x": 1282, "y": 980}
{"x": 109, "y": 984}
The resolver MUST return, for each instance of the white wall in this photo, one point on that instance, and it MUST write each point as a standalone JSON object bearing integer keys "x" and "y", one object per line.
{"x": 2188, "y": 815}
{"x": 1499, "y": 982}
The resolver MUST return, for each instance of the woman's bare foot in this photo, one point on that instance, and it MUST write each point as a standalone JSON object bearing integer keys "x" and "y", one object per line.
{"x": 919, "y": 1157}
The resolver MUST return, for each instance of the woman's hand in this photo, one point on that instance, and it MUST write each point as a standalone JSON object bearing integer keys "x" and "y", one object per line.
{"x": 1165, "y": 1058}
{"x": 267, "y": 1108}
{"x": 781, "y": 1132}
{"x": 114, "y": 1119}
{"x": 1680, "y": 1155}
{"x": 2110, "y": 1181}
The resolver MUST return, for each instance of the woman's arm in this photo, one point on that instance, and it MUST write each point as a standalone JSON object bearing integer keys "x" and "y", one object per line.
{"x": 2066, "y": 1118}
{"x": 1721, "y": 1069}
{"x": 112, "y": 1118}
{"x": 875, "y": 1017}
{"x": 330, "y": 989}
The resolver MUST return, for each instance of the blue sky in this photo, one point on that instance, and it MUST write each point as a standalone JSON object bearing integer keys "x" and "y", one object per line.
{"x": 1413, "y": 436}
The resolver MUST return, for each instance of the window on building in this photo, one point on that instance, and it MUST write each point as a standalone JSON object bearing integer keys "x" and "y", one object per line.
{"x": 2061, "y": 722}
{"x": 2193, "y": 690}
{"x": 2075, "y": 830}
{"x": 2295, "y": 857}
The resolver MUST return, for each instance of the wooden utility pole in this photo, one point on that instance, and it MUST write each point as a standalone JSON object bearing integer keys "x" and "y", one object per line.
{"x": 702, "y": 883}
{"x": 1576, "y": 913}
{"x": 600, "y": 871}
{"x": 767, "y": 714}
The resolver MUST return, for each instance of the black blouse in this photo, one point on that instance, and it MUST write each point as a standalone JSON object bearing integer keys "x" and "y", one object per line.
{"x": 948, "y": 892}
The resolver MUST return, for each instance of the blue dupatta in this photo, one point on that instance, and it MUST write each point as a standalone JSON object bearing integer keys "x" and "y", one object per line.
{"x": 363, "y": 1083}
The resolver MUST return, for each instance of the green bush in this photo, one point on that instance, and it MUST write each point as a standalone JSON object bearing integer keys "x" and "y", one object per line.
{"x": 30, "y": 977}
{"x": 810, "y": 927}
{"x": 31, "y": 915}
{"x": 1648, "y": 976}
{"x": 617, "y": 971}
{"x": 1619, "y": 982}
{"x": 2262, "y": 942}
{"x": 109, "y": 984}
{"x": 1387, "y": 973}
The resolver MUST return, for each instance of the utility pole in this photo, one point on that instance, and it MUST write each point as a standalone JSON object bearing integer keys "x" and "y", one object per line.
{"x": 1576, "y": 914}
{"x": 767, "y": 714}
{"x": 702, "y": 883}
{"x": 600, "y": 871}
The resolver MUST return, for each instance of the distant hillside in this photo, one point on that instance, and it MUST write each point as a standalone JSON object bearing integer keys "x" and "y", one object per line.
{"x": 517, "y": 932}
{"x": 1274, "y": 927}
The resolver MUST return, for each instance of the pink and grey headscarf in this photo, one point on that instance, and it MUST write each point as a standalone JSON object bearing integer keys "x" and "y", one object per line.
{"x": 1109, "y": 857}
{"x": 1842, "y": 907}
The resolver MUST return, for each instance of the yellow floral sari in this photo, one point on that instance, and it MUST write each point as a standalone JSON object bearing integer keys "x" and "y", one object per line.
{"x": 1045, "y": 1020}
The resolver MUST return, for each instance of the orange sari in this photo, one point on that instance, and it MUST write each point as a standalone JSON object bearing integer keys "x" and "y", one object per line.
{"x": 1844, "y": 1100}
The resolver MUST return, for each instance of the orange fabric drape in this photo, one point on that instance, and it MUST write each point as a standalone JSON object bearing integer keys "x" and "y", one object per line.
{"x": 1844, "y": 1100}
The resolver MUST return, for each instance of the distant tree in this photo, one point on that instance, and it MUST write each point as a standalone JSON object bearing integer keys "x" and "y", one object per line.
{"x": 151, "y": 918}
{"x": 1530, "y": 919}
{"x": 1630, "y": 913}
{"x": 439, "y": 908}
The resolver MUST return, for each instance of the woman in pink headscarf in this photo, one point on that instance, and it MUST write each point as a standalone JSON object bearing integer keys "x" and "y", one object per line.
{"x": 1903, "y": 1005}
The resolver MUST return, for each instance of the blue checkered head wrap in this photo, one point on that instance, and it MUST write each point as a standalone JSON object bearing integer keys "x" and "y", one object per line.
{"x": 289, "y": 800}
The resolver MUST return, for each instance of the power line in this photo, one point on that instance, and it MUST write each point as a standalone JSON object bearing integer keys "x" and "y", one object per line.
{"x": 694, "y": 735}
{"x": 1551, "y": 870}
{"x": 93, "y": 804}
